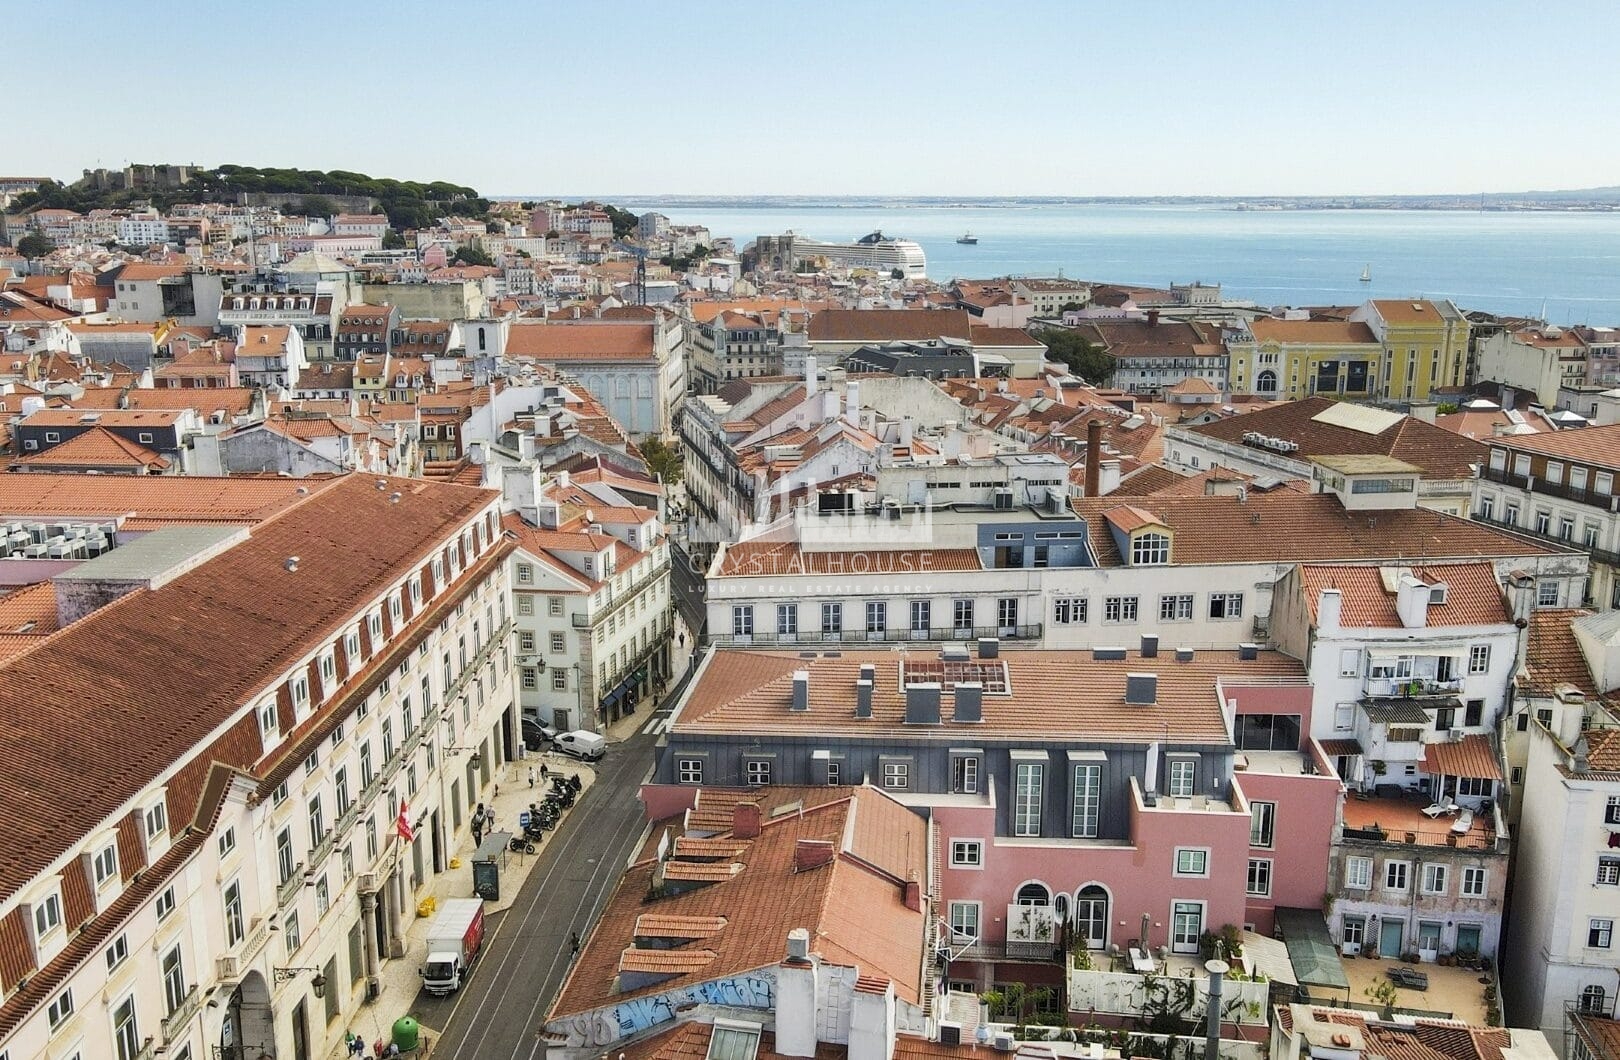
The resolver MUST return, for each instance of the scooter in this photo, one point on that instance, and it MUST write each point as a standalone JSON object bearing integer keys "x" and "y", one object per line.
{"x": 521, "y": 844}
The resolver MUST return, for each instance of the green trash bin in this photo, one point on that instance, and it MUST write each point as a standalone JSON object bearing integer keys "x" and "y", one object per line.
{"x": 406, "y": 1033}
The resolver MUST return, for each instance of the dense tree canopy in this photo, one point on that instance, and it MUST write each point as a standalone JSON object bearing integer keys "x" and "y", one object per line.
{"x": 1081, "y": 357}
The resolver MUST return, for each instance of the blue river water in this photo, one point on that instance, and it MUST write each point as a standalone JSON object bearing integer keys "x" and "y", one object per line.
{"x": 1500, "y": 261}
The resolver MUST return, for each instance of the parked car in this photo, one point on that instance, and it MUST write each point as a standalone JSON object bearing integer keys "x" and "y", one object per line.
{"x": 588, "y": 746}
{"x": 536, "y": 737}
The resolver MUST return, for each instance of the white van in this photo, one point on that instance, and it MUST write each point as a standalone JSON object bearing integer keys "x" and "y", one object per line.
{"x": 589, "y": 746}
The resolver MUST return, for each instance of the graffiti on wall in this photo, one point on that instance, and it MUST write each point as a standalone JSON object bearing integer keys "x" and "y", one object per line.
{"x": 613, "y": 1023}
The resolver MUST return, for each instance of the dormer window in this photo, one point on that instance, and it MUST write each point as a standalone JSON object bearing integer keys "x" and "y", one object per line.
{"x": 351, "y": 645}
{"x": 1150, "y": 549}
{"x": 328, "y": 672}
{"x": 396, "y": 608}
{"x": 1437, "y": 595}
{"x": 300, "y": 693}
{"x": 374, "y": 626}
{"x": 156, "y": 821}
{"x": 416, "y": 591}
{"x": 104, "y": 865}
{"x": 47, "y": 917}
{"x": 269, "y": 721}
{"x": 438, "y": 573}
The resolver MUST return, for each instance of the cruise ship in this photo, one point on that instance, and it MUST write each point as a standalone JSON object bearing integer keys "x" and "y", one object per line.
{"x": 875, "y": 251}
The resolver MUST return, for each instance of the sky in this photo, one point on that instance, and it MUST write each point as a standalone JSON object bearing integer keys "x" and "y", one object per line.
{"x": 521, "y": 97}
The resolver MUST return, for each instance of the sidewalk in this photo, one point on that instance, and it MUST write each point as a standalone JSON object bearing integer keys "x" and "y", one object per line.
{"x": 511, "y": 795}
{"x": 647, "y": 706}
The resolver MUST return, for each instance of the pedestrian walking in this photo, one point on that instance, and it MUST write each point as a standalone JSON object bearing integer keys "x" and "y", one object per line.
{"x": 531, "y": 774}
{"x": 478, "y": 825}
{"x": 545, "y": 774}
{"x": 573, "y": 944}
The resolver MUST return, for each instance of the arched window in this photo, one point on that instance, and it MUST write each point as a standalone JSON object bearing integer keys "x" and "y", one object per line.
{"x": 1594, "y": 999}
{"x": 1091, "y": 916}
{"x": 1266, "y": 382}
{"x": 1033, "y": 894}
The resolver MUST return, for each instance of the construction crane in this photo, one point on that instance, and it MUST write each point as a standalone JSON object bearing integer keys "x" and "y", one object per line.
{"x": 640, "y": 254}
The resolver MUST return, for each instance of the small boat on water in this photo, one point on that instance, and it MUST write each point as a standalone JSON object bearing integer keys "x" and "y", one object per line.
{"x": 1366, "y": 274}
{"x": 967, "y": 237}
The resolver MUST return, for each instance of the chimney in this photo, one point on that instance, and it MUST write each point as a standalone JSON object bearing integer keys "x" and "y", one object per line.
{"x": 809, "y": 375}
{"x": 796, "y": 997}
{"x": 812, "y": 854}
{"x": 1329, "y": 606}
{"x": 1094, "y": 458}
{"x": 852, "y": 403}
{"x": 863, "y": 698}
{"x": 745, "y": 820}
{"x": 1248, "y": 651}
{"x": 801, "y": 689}
{"x": 1422, "y": 410}
{"x": 969, "y": 701}
{"x": 989, "y": 647}
{"x": 911, "y": 894}
{"x": 1107, "y": 654}
{"x": 922, "y": 703}
{"x": 1412, "y": 602}
{"x": 1184, "y": 655}
{"x": 1150, "y": 782}
{"x": 1150, "y": 645}
{"x": 1141, "y": 689}
{"x": 1153, "y": 318}
{"x": 1108, "y": 478}
{"x": 905, "y": 431}
{"x": 871, "y": 1020}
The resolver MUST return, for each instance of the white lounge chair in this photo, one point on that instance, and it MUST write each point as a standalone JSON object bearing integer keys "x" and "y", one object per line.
{"x": 1463, "y": 823}
{"x": 1445, "y": 805}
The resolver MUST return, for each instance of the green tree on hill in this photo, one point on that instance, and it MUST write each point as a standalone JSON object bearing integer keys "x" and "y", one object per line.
{"x": 34, "y": 245}
{"x": 470, "y": 255}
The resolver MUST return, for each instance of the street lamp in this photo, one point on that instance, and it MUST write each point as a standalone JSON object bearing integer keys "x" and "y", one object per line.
{"x": 282, "y": 975}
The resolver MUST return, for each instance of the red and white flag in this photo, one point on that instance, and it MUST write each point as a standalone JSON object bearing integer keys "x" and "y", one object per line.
{"x": 403, "y": 825}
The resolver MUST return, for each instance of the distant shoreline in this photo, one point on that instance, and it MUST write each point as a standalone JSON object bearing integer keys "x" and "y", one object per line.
{"x": 1596, "y": 200}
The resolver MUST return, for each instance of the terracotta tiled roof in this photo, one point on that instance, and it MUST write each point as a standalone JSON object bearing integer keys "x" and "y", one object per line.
{"x": 888, "y": 325}
{"x": 662, "y": 925}
{"x": 1603, "y": 750}
{"x": 96, "y": 448}
{"x": 769, "y": 558}
{"x": 1319, "y": 332}
{"x": 1472, "y": 756}
{"x": 1602, "y": 1036}
{"x": 29, "y": 610}
{"x": 581, "y": 342}
{"x": 666, "y": 962}
{"x": 1406, "y": 311}
{"x": 1597, "y": 445}
{"x": 154, "y": 500}
{"x": 154, "y": 688}
{"x": 742, "y": 690}
{"x": 1441, "y": 454}
{"x": 1288, "y": 526}
{"x": 1473, "y": 594}
{"x": 141, "y": 270}
{"x": 1553, "y": 657}
{"x": 855, "y": 912}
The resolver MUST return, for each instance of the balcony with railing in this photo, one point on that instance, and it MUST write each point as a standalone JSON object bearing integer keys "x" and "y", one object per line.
{"x": 174, "y": 1025}
{"x": 1557, "y": 537}
{"x": 1414, "y": 687}
{"x": 854, "y": 637}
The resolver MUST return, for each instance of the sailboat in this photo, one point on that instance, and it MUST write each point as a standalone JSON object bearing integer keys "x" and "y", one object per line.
{"x": 967, "y": 237}
{"x": 1366, "y": 274}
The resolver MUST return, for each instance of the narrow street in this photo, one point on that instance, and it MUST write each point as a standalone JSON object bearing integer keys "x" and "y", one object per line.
{"x": 499, "y": 1014}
